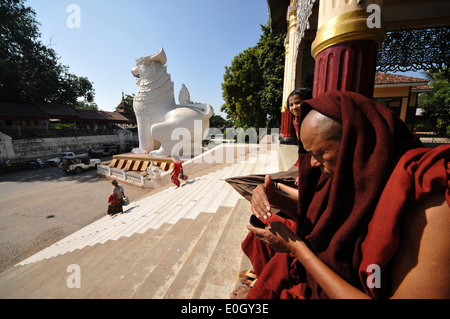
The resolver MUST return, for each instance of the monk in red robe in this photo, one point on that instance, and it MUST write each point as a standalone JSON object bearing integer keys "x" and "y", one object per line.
{"x": 177, "y": 171}
{"x": 371, "y": 217}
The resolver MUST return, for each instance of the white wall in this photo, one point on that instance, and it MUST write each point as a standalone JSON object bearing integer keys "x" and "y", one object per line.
{"x": 47, "y": 147}
{"x": 6, "y": 147}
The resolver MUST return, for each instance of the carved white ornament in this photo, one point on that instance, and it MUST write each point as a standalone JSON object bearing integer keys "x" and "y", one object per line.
{"x": 304, "y": 11}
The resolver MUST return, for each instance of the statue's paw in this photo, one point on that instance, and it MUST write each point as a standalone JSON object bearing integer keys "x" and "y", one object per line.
{"x": 157, "y": 153}
{"x": 136, "y": 150}
{"x": 161, "y": 152}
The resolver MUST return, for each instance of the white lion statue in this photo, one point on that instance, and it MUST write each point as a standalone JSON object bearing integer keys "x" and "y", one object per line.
{"x": 161, "y": 122}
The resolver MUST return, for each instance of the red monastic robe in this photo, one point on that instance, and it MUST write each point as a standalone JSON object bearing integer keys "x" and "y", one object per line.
{"x": 336, "y": 212}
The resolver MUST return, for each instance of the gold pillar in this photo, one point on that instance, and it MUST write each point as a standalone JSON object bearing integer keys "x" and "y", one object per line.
{"x": 285, "y": 79}
{"x": 287, "y": 130}
{"x": 345, "y": 48}
{"x": 290, "y": 53}
{"x": 345, "y": 20}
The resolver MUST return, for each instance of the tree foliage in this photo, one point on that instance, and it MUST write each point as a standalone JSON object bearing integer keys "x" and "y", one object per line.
{"x": 129, "y": 99}
{"x": 243, "y": 82}
{"x": 219, "y": 122}
{"x": 436, "y": 104}
{"x": 30, "y": 71}
{"x": 253, "y": 84}
{"x": 84, "y": 105}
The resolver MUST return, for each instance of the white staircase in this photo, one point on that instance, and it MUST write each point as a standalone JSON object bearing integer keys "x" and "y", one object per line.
{"x": 203, "y": 194}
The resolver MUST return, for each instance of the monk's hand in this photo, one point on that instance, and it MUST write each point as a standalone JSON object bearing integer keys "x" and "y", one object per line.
{"x": 261, "y": 198}
{"x": 278, "y": 236}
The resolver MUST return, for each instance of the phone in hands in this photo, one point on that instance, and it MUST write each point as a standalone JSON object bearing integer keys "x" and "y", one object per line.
{"x": 255, "y": 221}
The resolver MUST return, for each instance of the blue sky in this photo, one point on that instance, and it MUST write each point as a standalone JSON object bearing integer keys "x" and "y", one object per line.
{"x": 200, "y": 38}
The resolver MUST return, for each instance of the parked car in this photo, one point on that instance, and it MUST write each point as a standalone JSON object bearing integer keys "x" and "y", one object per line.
{"x": 35, "y": 164}
{"x": 104, "y": 150}
{"x": 76, "y": 164}
{"x": 55, "y": 161}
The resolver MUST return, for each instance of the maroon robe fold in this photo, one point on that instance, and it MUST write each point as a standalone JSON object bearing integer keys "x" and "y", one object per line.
{"x": 420, "y": 172}
{"x": 334, "y": 212}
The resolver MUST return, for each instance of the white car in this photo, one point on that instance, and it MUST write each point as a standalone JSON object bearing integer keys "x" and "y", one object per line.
{"x": 78, "y": 163}
{"x": 56, "y": 160}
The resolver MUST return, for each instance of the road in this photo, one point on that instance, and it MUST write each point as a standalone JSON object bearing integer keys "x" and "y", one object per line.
{"x": 40, "y": 207}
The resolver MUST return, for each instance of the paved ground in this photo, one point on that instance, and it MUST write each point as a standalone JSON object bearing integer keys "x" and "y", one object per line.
{"x": 40, "y": 207}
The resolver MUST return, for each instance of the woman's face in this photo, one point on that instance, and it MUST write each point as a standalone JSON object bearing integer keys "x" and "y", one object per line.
{"x": 294, "y": 104}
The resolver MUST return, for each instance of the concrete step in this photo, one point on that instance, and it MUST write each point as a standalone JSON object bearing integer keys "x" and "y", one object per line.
{"x": 194, "y": 197}
{"x": 226, "y": 189}
{"x": 28, "y": 280}
{"x": 185, "y": 282}
{"x": 132, "y": 281}
{"x": 198, "y": 258}
{"x": 53, "y": 284}
{"x": 48, "y": 278}
{"x": 116, "y": 262}
{"x": 221, "y": 275}
{"x": 212, "y": 197}
{"x": 169, "y": 264}
{"x": 12, "y": 279}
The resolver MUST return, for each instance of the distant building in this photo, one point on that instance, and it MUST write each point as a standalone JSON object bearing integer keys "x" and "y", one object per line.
{"x": 45, "y": 120}
{"x": 400, "y": 93}
{"x": 127, "y": 111}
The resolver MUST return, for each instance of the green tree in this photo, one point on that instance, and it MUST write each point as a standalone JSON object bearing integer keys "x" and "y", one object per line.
{"x": 436, "y": 104}
{"x": 219, "y": 122}
{"x": 84, "y": 105}
{"x": 253, "y": 84}
{"x": 271, "y": 59}
{"x": 129, "y": 99}
{"x": 242, "y": 84}
{"x": 30, "y": 71}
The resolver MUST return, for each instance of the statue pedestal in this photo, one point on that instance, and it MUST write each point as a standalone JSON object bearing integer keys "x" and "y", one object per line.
{"x": 140, "y": 162}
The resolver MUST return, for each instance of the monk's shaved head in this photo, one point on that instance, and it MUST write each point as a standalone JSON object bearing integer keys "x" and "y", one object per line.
{"x": 321, "y": 137}
{"x": 322, "y": 126}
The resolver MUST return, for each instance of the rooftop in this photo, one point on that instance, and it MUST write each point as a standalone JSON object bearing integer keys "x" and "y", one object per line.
{"x": 14, "y": 111}
{"x": 388, "y": 79}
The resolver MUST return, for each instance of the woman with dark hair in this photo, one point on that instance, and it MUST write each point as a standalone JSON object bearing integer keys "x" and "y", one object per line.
{"x": 294, "y": 100}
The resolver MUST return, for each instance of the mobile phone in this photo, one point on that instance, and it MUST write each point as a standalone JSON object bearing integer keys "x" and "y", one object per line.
{"x": 255, "y": 221}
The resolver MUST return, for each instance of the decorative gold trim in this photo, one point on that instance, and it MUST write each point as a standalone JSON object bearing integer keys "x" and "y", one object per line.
{"x": 292, "y": 19}
{"x": 349, "y": 26}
